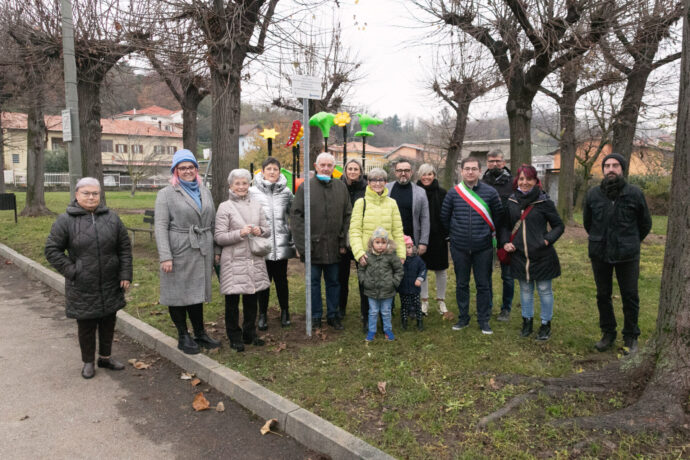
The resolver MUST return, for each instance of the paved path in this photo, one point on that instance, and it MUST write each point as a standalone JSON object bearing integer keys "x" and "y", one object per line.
{"x": 48, "y": 411}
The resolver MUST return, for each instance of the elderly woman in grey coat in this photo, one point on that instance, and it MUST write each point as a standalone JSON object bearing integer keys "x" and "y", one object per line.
{"x": 97, "y": 270}
{"x": 270, "y": 189}
{"x": 242, "y": 272}
{"x": 184, "y": 218}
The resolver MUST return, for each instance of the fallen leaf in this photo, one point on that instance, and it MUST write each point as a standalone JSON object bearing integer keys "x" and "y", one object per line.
{"x": 141, "y": 365}
{"x": 8, "y": 262}
{"x": 579, "y": 370}
{"x": 132, "y": 361}
{"x": 382, "y": 387}
{"x": 267, "y": 426}
{"x": 186, "y": 376}
{"x": 24, "y": 418}
{"x": 448, "y": 316}
{"x": 220, "y": 407}
{"x": 213, "y": 351}
{"x": 281, "y": 346}
{"x": 200, "y": 402}
{"x": 493, "y": 384}
{"x": 196, "y": 382}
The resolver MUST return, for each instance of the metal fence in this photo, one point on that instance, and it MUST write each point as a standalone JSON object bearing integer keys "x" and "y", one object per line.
{"x": 109, "y": 180}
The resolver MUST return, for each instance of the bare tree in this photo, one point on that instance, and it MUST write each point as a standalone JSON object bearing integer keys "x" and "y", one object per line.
{"x": 637, "y": 38}
{"x": 528, "y": 41}
{"x": 233, "y": 31}
{"x": 141, "y": 160}
{"x": 177, "y": 56}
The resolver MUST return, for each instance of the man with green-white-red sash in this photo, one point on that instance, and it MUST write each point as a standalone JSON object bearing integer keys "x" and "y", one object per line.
{"x": 471, "y": 212}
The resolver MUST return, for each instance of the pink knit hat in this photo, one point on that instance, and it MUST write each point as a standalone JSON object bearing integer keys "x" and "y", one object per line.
{"x": 408, "y": 240}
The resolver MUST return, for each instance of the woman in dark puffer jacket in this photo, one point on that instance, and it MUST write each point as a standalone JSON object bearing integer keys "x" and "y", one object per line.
{"x": 533, "y": 259}
{"x": 97, "y": 270}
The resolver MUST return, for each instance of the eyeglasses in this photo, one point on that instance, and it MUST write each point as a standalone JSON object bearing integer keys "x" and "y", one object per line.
{"x": 403, "y": 171}
{"x": 371, "y": 181}
{"x": 494, "y": 161}
{"x": 90, "y": 194}
{"x": 470, "y": 169}
{"x": 186, "y": 168}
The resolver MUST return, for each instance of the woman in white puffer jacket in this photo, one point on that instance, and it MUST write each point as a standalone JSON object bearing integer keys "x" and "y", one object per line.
{"x": 270, "y": 189}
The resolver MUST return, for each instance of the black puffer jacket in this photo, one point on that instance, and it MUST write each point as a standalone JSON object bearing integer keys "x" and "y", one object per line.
{"x": 616, "y": 228}
{"x": 99, "y": 256}
{"x": 532, "y": 259}
{"x": 503, "y": 183}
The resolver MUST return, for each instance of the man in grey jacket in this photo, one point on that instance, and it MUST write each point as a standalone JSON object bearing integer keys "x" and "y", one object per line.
{"x": 412, "y": 203}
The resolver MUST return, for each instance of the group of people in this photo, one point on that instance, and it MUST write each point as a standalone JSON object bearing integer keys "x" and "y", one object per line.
{"x": 395, "y": 232}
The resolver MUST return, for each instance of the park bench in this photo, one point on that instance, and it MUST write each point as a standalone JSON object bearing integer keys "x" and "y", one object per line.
{"x": 8, "y": 202}
{"x": 148, "y": 219}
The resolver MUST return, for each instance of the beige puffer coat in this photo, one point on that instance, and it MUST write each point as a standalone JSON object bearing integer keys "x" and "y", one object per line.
{"x": 241, "y": 272}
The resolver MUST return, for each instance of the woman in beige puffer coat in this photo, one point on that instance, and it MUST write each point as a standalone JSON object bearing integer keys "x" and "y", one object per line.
{"x": 241, "y": 272}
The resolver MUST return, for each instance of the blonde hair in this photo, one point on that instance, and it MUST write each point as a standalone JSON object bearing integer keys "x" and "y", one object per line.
{"x": 381, "y": 233}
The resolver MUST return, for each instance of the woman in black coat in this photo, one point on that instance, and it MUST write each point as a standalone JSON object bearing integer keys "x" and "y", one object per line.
{"x": 533, "y": 259}
{"x": 436, "y": 255}
{"x": 97, "y": 270}
{"x": 356, "y": 186}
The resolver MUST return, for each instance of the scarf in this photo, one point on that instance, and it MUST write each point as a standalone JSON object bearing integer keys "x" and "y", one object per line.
{"x": 192, "y": 189}
{"x": 433, "y": 195}
{"x": 525, "y": 199}
{"x": 612, "y": 187}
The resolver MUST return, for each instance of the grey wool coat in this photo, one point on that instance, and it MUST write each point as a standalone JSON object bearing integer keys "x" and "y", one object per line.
{"x": 184, "y": 234}
{"x": 241, "y": 272}
{"x": 276, "y": 199}
{"x": 420, "y": 213}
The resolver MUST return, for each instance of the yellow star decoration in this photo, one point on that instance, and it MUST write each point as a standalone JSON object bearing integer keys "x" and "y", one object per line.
{"x": 268, "y": 133}
{"x": 342, "y": 119}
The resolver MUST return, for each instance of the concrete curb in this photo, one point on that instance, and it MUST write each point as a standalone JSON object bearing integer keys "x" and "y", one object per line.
{"x": 306, "y": 427}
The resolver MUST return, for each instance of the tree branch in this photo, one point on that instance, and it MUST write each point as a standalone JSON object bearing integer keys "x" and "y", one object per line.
{"x": 666, "y": 60}
{"x": 259, "y": 47}
{"x": 518, "y": 9}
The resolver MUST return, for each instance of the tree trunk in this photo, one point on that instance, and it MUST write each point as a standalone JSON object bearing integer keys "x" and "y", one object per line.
{"x": 455, "y": 147}
{"x": 568, "y": 144}
{"x": 2, "y": 156}
{"x": 625, "y": 122}
{"x": 35, "y": 147}
{"x": 225, "y": 128}
{"x": 134, "y": 187}
{"x": 519, "y": 110}
{"x": 88, "y": 91}
{"x": 190, "y": 104}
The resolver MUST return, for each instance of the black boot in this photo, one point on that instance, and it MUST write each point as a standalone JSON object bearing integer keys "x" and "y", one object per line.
{"x": 403, "y": 317}
{"x": 187, "y": 345}
{"x": 204, "y": 340}
{"x": 527, "y": 326}
{"x": 88, "y": 371}
{"x": 365, "y": 325}
{"x": 606, "y": 342}
{"x": 335, "y": 323}
{"x": 263, "y": 318}
{"x": 284, "y": 317}
{"x": 420, "y": 324}
{"x": 544, "y": 331}
{"x": 630, "y": 347}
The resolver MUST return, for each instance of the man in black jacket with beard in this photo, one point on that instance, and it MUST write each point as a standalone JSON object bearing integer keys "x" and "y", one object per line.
{"x": 498, "y": 176}
{"x": 617, "y": 219}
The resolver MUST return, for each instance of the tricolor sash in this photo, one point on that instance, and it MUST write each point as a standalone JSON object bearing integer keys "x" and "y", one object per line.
{"x": 479, "y": 205}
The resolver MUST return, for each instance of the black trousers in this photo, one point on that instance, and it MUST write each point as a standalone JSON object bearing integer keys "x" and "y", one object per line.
{"x": 627, "y": 274}
{"x": 344, "y": 267}
{"x": 196, "y": 317}
{"x": 232, "y": 317}
{"x": 87, "y": 336}
{"x": 277, "y": 272}
{"x": 410, "y": 306}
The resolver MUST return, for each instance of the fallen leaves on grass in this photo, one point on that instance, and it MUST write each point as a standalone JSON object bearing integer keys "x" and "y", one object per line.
{"x": 196, "y": 382}
{"x": 382, "y": 387}
{"x": 200, "y": 402}
{"x": 220, "y": 407}
{"x": 281, "y": 346}
{"x": 320, "y": 334}
{"x": 448, "y": 316}
{"x": 267, "y": 426}
{"x": 493, "y": 384}
{"x": 186, "y": 376}
{"x": 138, "y": 364}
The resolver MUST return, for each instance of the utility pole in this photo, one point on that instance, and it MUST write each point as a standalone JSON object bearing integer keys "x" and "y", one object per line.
{"x": 70, "y": 116}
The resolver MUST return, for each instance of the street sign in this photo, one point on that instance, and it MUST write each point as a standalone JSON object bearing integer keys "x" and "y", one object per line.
{"x": 66, "y": 126}
{"x": 306, "y": 87}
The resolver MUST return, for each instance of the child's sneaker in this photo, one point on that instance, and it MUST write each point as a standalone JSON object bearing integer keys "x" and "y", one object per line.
{"x": 370, "y": 336}
{"x": 425, "y": 306}
{"x": 389, "y": 336}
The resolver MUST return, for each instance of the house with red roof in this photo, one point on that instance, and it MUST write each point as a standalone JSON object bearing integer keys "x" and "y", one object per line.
{"x": 165, "y": 119}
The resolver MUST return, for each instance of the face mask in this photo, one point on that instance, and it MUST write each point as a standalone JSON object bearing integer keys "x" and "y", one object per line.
{"x": 323, "y": 178}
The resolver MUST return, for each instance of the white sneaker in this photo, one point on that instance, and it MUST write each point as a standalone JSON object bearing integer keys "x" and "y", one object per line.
{"x": 425, "y": 307}
{"x": 442, "y": 306}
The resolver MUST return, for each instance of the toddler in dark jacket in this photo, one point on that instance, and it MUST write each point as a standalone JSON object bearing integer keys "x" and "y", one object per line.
{"x": 410, "y": 287}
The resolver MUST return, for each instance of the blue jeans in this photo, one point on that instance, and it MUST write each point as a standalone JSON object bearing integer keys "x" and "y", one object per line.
{"x": 330, "y": 275}
{"x": 383, "y": 306}
{"x": 508, "y": 288}
{"x": 545, "y": 297}
{"x": 480, "y": 263}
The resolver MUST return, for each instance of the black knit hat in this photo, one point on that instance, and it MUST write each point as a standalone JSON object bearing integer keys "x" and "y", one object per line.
{"x": 616, "y": 156}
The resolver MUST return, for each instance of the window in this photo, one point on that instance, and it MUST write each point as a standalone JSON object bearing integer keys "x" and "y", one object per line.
{"x": 158, "y": 149}
{"x": 15, "y": 158}
{"x": 106, "y": 146}
{"x": 57, "y": 144}
{"x": 121, "y": 148}
{"x": 171, "y": 150}
{"x": 137, "y": 148}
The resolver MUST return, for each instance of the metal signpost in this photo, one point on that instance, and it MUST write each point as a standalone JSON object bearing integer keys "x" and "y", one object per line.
{"x": 306, "y": 87}
{"x": 70, "y": 116}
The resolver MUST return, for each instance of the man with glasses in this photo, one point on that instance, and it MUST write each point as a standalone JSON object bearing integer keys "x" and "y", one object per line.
{"x": 470, "y": 212}
{"x": 412, "y": 204}
{"x": 498, "y": 176}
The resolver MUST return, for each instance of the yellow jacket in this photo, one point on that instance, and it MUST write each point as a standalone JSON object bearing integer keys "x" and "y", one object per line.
{"x": 381, "y": 211}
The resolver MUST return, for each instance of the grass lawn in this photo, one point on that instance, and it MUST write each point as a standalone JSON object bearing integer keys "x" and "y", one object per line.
{"x": 439, "y": 383}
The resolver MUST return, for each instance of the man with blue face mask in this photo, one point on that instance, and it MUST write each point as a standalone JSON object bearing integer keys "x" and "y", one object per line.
{"x": 330, "y": 218}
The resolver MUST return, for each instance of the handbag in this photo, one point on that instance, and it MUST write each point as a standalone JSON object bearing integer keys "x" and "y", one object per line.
{"x": 503, "y": 255}
{"x": 260, "y": 245}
